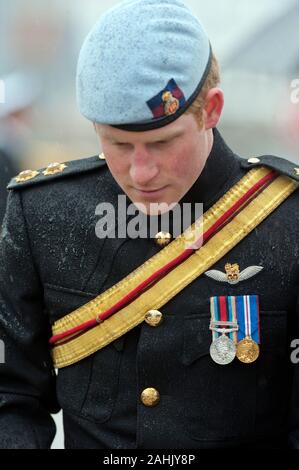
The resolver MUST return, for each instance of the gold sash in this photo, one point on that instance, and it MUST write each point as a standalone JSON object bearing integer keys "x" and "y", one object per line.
{"x": 159, "y": 294}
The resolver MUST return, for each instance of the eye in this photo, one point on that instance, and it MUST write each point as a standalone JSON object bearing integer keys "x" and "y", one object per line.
{"x": 120, "y": 144}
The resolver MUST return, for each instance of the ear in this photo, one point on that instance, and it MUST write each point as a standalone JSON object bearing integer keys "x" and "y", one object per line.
{"x": 214, "y": 103}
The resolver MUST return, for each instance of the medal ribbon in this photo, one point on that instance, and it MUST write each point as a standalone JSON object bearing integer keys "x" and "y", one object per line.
{"x": 223, "y": 309}
{"x": 248, "y": 317}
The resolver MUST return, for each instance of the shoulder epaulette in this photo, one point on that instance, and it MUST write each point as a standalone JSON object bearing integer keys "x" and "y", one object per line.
{"x": 281, "y": 165}
{"x": 56, "y": 171}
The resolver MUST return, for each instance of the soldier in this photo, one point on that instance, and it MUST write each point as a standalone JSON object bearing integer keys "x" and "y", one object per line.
{"x": 159, "y": 342}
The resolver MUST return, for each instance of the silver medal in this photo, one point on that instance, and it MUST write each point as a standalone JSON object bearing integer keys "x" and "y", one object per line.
{"x": 223, "y": 350}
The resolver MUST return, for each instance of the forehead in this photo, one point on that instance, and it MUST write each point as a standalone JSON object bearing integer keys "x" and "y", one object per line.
{"x": 178, "y": 127}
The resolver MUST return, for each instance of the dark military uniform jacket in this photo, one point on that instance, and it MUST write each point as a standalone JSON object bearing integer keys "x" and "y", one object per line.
{"x": 52, "y": 262}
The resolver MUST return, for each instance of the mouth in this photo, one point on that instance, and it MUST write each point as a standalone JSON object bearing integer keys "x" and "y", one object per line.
{"x": 148, "y": 193}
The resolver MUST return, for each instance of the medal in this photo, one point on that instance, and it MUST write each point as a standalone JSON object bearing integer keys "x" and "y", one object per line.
{"x": 247, "y": 350}
{"x": 239, "y": 317}
{"x": 223, "y": 320}
{"x": 223, "y": 350}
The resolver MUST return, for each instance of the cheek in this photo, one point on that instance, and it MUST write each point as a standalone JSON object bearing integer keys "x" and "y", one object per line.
{"x": 116, "y": 164}
{"x": 177, "y": 168}
{"x": 185, "y": 162}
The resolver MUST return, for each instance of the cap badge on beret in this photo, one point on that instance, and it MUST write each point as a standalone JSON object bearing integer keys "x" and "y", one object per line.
{"x": 172, "y": 104}
{"x": 167, "y": 101}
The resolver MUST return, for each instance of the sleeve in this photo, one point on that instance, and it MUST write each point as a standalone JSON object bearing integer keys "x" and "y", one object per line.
{"x": 27, "y": 377}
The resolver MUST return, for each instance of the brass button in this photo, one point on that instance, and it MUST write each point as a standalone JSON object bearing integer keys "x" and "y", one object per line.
{"x": 26, "y": 176}
{"x": 163, "y": 238}
{"x": 296, "y": 171}
{"x": 253, "y": 160}
{"x": 54, "y": 168}
{"x": 150, "y": 397}
{"x": 153, "y": 317}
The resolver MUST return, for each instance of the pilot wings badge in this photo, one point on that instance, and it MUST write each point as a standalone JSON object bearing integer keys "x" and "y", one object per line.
{"x": 232, "y": 273}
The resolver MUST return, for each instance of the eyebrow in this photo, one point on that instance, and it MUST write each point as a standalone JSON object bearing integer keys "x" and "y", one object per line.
{"x": 166, "y": 138}
{"x": 178, "y": 133}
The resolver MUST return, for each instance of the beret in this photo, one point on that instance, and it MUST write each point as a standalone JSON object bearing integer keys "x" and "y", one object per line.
{"x": 142, "y": 65}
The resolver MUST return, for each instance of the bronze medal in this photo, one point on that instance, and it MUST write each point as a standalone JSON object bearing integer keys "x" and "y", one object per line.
{"x": 247, "y": 350}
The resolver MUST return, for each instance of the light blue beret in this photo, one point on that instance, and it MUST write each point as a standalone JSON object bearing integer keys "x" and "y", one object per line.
{"x": 142, "y": 65}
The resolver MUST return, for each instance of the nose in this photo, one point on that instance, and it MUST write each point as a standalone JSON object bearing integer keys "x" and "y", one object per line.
{"x": 143, "y": 167}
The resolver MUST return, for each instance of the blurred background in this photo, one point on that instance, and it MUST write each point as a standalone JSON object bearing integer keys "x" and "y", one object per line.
{"x": 256, "y": 42}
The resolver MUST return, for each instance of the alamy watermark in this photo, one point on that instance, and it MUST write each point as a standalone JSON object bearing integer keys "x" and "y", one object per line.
{"x": 295, "y": 352}
{"x": 2, "y": 92}
{"x": 295, "y": 92}
{"x": 2, "y": 352}
{"x": 133, "y": 221}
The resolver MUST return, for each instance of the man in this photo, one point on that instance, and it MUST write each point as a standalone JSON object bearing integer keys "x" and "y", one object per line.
{"x": 159, "y": 343}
